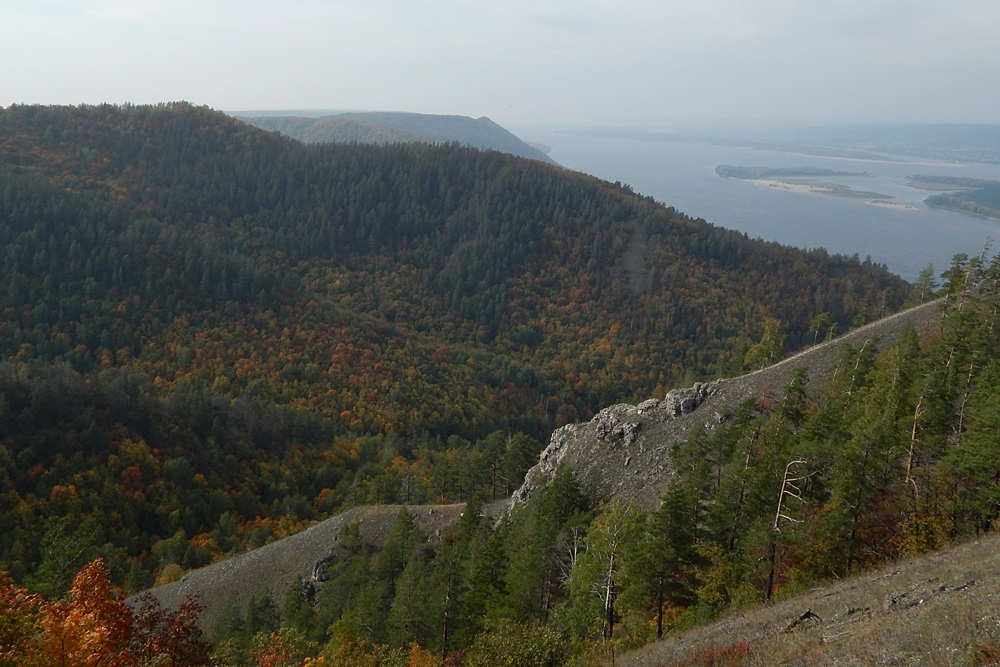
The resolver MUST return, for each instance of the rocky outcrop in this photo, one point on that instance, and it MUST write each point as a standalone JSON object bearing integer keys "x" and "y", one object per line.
{"x": 627, "y": 446}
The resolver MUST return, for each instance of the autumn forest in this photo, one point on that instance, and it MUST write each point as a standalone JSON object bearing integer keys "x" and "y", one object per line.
{"x": 214, "y": 336}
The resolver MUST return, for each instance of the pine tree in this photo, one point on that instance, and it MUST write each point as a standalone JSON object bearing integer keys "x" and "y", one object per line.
{"x": 976, "y": 463}
{"x": 925, "y": 287}
{"x": 662, "y": 567}
{"x": 599, "y": 572}
{"x": 867, "y": 472}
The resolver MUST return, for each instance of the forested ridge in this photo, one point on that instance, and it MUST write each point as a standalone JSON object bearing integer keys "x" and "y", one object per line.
{"x": 213, "y": 335}
{"x": 971, "y": 195}
{"x": 394, "y": 127}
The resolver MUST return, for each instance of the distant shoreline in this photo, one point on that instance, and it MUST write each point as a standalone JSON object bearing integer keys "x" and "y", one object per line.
{"x": 957, "y": 209}
{"x": 869, "y": 159}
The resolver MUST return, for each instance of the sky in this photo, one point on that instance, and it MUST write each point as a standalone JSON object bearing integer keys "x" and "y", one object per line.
{"x": 520, "y": 62}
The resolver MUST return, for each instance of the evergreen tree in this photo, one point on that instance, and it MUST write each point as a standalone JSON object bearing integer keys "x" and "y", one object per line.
{"x": 867, "y": 471}
{"x": 662, "y": 568}
{"x": 975, "y": 464}
{"x": 598, "y": 575}
{"x": 925, "y": 287}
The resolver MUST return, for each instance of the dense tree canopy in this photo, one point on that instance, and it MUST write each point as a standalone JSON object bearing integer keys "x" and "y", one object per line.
{"x": 212, "y": 336}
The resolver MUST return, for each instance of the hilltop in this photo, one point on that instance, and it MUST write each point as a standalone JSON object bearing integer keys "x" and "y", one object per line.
{"x": 385, "y": 127}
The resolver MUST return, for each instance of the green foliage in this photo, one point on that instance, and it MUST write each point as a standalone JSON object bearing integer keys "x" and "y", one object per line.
{"x": 598, "y": 573}
{"x": 511, "y": 644}
{"x": 67, "y": 544}
{"x": 925, "y": 287}
{"x": 976, "y": 463}
{"x": 661, "y": 569}
{"x": 212, "y": 335}
{"x": 982, "y": 199}
{"x": 784, "y": 492}
{"x": 771, "y": 347}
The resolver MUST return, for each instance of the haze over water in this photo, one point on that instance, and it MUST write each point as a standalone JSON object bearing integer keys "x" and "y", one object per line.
{"x": 683, "y": 175}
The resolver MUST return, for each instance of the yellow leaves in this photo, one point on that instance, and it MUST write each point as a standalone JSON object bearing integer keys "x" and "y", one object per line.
{"x": 169, "y": 574}
{"x": 66, "y": 495}
{"x": 92, "y": 629}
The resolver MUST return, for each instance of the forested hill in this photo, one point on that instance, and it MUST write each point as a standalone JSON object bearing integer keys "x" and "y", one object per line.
{"x": 212, "y": 334}
{"x": 183, "y": 243}
{"x": 384, "y": 127}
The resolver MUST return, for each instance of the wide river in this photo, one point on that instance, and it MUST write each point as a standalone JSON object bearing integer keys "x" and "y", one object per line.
{"x": 683, "y": 175}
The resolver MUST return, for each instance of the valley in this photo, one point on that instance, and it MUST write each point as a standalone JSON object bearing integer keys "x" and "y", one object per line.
{"x": 305, "y": 379}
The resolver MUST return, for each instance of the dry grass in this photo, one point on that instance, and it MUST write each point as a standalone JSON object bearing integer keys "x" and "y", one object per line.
{"x": 942, "y": 609}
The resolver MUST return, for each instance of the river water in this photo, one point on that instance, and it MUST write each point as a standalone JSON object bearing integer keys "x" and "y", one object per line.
{"x": 683, "y": 175}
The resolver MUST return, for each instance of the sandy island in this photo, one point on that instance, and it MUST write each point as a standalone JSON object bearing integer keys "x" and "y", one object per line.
{"x": 813, "y": 189}
{"x": 942, "y": 163}
{"x": 802, "y": 188}
{"x": 894, "y": 204}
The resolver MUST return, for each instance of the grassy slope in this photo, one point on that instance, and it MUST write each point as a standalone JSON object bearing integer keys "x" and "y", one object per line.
{"x": 939, "y": 609}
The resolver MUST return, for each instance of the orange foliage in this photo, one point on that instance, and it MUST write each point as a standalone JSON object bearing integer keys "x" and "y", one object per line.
{"x": 92, "y": 628}
{"x": 422, "y": 658}
{"x": 19, "y": 635}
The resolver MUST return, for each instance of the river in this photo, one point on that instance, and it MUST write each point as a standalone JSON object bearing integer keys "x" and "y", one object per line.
{"x": 683, "y": 175}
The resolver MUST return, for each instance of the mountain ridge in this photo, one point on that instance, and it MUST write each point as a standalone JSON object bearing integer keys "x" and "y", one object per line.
{"x": 385, "y": 127}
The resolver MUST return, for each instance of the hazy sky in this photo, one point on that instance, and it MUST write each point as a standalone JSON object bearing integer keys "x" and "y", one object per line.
{"x": 517, "y": 61}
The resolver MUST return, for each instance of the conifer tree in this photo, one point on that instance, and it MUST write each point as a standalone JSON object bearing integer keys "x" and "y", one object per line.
{"x": 661, "y": 568}
{"x": 599, "y": 572}
{"x": 868, "y": 469}
{"x": 975, "y": 464}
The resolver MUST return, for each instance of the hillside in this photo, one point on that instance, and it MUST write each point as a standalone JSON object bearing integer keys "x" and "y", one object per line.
{"x": 384, "y": 127}
{"x": 628, "y": 447}
{"x": 214, "y": 336}
{"x": 938, "y": 609}
{"x": 639, "y": 470}
{"x": 273, "y": 568}
{"x": 554, "y": 292}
